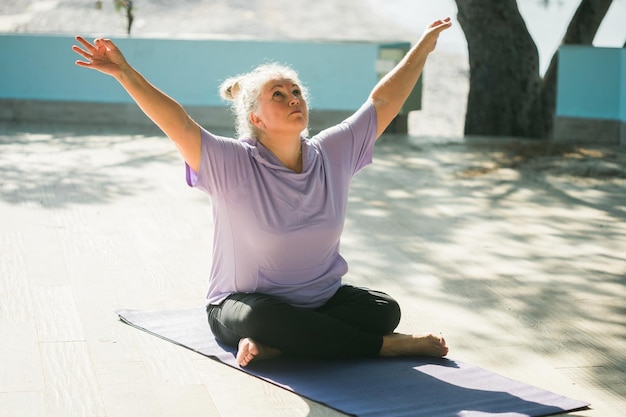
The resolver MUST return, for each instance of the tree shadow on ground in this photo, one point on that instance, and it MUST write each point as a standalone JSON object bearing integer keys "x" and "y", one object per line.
{"x": 53, "y": 166}
{"x": 519, "y": 233}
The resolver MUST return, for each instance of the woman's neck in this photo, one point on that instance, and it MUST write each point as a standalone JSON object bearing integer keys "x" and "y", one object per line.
{"x": 288, "y": 151}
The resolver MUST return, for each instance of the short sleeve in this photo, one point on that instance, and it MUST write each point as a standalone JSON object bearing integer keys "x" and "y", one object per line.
{"x": 224, "y": 163}
{"x": 351, "y": 142}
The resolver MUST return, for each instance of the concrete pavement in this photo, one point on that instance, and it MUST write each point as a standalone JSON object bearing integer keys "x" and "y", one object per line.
{"x": 514, "y": 250}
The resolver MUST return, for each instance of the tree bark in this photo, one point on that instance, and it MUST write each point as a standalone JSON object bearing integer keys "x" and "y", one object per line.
{"x": 504, "y": 69}
{"x": 129, "y": 15}
{"x": 581, "y": 30}
{"x": 507, "y": 95}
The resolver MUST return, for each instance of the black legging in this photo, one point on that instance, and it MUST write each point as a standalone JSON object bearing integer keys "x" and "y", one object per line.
{"x": 351, "y": 324}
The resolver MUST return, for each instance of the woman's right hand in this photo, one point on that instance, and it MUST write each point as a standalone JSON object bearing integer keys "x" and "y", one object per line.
{"x": 167, "y": 113}
{"x": 103, "y": 55}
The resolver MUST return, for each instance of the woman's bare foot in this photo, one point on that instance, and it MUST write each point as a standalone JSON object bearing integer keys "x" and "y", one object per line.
{"x": 250, "y": 350}
{"x": 427, "y": 344}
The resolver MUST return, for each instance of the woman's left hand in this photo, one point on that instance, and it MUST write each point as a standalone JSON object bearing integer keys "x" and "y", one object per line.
{"x": 431, "y": 33}
{"x": 393, "y": 89}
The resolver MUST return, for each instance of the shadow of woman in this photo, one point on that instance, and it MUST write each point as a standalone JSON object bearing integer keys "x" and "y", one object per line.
{"x": 411, "y": 387}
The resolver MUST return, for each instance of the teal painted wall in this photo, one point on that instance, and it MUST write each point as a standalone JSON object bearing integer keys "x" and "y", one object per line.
{"x": 622, "y": 111}
{"x": 592, "y": 83}
{"x": 340, "y": 75}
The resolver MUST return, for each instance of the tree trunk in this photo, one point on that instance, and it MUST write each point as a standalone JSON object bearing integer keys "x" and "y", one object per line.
{"x": 581, "y": 30}
{"x": 507, "y": 95}
{"x": 129, "y": 15}
{"x": 504, "y": 69}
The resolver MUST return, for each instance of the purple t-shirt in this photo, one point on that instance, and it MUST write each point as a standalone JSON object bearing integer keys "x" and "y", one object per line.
{"x": 277, "y": 232}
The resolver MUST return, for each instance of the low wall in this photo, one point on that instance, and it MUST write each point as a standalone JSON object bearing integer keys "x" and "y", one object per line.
{"x": 591, "y": 95}
{"x": 39, "y": 81}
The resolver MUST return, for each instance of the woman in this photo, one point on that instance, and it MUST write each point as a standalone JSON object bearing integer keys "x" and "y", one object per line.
{"x": 279, "y": 204}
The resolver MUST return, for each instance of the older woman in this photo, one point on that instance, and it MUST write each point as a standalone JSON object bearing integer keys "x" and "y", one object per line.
{"x": 279, "y": 204}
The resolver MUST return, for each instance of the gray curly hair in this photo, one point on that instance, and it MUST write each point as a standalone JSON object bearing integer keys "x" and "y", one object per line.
{"x": 244, "y": 90}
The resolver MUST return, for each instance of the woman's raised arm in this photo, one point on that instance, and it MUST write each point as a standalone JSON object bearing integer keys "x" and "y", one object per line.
{"x": 394, "y": 88}
{"x": 103, "y": 55}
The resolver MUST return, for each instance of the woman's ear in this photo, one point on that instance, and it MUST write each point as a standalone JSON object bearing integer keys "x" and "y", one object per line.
{"x": 256, "y": 120}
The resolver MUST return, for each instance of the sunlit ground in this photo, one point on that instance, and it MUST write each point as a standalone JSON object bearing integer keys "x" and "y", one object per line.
{"x": 513, "y": 250}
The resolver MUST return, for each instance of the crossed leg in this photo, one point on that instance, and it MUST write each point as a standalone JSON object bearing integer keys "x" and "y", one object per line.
{"x": 354, "y": 323}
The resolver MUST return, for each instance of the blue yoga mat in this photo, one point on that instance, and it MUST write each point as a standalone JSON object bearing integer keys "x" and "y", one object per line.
{"x": 389, "y": 387}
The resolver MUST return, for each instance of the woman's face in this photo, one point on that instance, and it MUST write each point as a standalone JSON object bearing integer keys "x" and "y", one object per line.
{"x": 281, "y": 108}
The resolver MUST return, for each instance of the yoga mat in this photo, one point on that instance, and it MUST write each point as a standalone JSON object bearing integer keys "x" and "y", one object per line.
{"x": 389, "y": 387}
